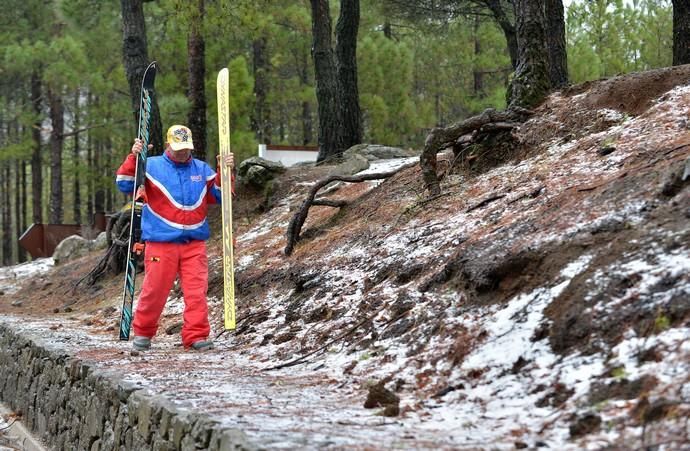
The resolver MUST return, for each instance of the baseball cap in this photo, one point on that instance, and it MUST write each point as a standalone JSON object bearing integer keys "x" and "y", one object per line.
{"x": 179, "y": 137}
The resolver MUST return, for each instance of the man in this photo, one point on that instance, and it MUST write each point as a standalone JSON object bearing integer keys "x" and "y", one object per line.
{"x": 174, "y": 227}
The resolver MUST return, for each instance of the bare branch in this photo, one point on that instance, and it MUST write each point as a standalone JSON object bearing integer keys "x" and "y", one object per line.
{"x": 329, "y": 203}
{"x": 440, "y": 138}
{"x": 298, "y": 219}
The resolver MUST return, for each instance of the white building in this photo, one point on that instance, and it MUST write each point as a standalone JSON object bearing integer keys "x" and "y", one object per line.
{"x": 288, "y": 155}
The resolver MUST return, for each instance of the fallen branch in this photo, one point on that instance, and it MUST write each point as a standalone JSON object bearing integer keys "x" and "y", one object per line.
{"x": 329, "y": 203}
{"x": 485, "y": 201}
{"x": 248, "y": 316}
{"x": 534, "y": 193}
{"x": 499, "y": 126}
{"x": 300, "y": 216}
{"x": 439, "y": 138}
{"x": 349, "y": 332}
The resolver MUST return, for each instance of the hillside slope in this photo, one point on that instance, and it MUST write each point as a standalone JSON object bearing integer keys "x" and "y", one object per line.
{"x": 542, "y": 300}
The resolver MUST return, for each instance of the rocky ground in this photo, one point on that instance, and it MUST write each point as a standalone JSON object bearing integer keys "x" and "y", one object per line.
{"x": 541, "y": 301}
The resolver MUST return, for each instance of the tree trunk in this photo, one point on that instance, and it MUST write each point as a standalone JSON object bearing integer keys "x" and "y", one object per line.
{"x": 508, "y": 28}
{"x": 478, "y": 75}
{"x": 531, "y": 82}
{"x": 135, "y": 57}
{"x": 330, "y": 141}
{"x": 21, "y": 207}
{"x": 107, "y": 173}
{"x": 681, "y": 32}
{"x": 6, "y": 215}
{"x": 388, "y": 29}
{"x": 56, "y": 140}
{"x": 90, "y": 165}
{"x": 76, "y": 207}
{"x": 307, "y": 124}
{"x": 17, "y": 208}
{"x": 196, "y": 50}
{"x": 307, "y": 119}
{"x": 36, "y": 166}
{"x": 555, "y": 33}
{"x": 346, "y": 53}
{"x": 261, "y": 118}
{"x": 5, "y": 190}
{"x": 99, "y": 193}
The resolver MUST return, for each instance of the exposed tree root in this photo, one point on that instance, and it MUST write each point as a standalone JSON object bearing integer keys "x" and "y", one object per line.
{"x": 300, "y": 216}
{"x": 490, "y": 121}
{"x": 302, "y": 359}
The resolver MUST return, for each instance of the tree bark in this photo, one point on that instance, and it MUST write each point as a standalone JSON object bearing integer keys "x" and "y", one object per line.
{"x": 36, "y": 166}
{"x": 20, "y": 189}
{"x": 346, "y": 57}
{"x": 531, "y": 82}
{"x": 307, "y": 124}
{"x": 6, "y": 215}
{"x": 503, "y": 21}
{"x": 283, "y": 122}
{"x": 90, "y": 165}
{"x": 478, "y": 75}
{"x": 107, "y": 173}
{"x": 555, "y": 33}
{"x": 196, "y": 50}
{"x": 307, "y": 119}
{"x": 681, "y": 32}
{"x": 388, "y": 29}
{"x": 329, "y": 137}
{"x": 135, "y": 58}
{"x": 76, "y": 207}
{"x": 17, "y": 208}
{"x": 99, "y": 192}
{"x": 57, "y": 119}
{"x": 261, "y": 118}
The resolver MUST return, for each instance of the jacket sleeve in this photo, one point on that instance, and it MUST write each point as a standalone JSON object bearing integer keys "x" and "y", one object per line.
{"x": 125, "y": 174}
{"x": 213, "y": 186}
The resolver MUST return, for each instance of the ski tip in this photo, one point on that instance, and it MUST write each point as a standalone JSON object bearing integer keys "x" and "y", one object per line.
{"x": 149, "y": 75}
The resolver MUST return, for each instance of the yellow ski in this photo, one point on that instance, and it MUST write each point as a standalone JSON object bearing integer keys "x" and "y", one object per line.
{"x": 223, "y": 88}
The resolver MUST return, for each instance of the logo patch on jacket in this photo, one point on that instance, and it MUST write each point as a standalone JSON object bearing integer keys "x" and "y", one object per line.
{"x": 196, "y": 178}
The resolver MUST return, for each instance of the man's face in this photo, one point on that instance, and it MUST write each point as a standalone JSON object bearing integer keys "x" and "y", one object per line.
{"x": 181, "y": 155}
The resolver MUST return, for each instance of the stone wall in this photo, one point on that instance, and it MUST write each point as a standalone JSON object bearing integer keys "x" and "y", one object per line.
{"x": 70, "y": 405}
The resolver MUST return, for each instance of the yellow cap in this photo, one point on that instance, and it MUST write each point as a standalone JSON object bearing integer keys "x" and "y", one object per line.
{"x": 179, "y": 137}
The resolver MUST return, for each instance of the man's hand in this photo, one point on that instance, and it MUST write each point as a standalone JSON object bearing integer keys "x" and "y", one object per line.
{"x": 138, "y": 145}
{"x": 228, "y": 160}
{"x": 141, "y": 193}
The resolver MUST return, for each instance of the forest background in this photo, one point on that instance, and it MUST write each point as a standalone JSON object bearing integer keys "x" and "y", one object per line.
{"x": 65, "y": 104}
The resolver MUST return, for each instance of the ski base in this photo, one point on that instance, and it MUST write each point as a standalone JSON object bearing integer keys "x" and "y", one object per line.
{"x": 223, "y": 87}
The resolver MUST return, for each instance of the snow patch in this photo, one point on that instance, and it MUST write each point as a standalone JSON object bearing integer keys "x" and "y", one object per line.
{"x": 11, "y": 277}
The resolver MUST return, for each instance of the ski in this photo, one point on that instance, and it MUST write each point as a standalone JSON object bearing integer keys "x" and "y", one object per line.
{"x": 134, "y": 248}
{"x": 223, "y": 87}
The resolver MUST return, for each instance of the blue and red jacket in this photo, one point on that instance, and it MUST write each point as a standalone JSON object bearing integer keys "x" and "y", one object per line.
{"x": 177, "y": 197}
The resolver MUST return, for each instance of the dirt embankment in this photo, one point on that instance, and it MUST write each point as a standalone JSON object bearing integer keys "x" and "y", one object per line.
{"x": 545, "y": 291}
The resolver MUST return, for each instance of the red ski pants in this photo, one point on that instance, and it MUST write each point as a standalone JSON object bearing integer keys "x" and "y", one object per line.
{"x": 162, "y": 263}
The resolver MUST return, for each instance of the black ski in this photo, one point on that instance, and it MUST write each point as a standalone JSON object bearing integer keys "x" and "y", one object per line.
{"x": 134, "y": 246}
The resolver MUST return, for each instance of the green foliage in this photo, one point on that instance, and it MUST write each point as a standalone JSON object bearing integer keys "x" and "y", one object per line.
{"x": 427, "y": 72}
{"x": 661, "y": 322}
{"x": 610, "y": 37}
{"x": 386, "y": 73}
{"x": 619, "y": 373}
{"x": 241, "y": 94}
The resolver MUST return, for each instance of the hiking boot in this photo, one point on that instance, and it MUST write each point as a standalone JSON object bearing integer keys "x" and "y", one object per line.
{"x": 141, "y": 343}
{"x": 202, "y": 345}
